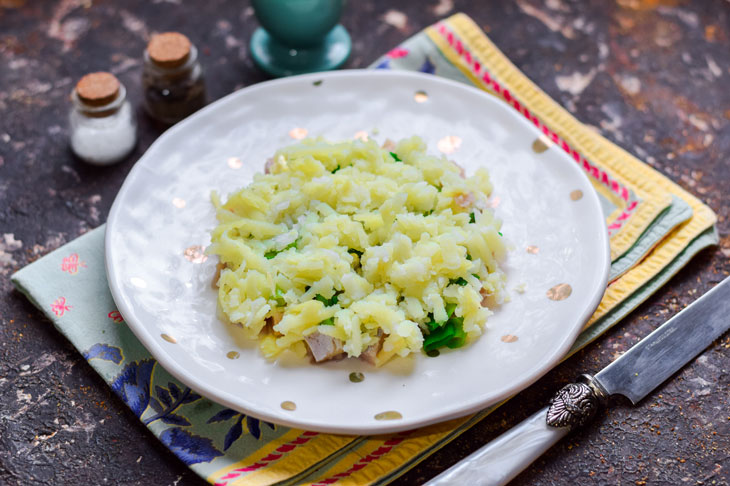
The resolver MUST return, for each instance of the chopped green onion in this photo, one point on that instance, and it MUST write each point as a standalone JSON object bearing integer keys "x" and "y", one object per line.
{"x": 356, "y": 252}
{"x": 450, "y": 308}
{"x": 327, "y": 302}
{"x": 451, "y": 335}
{"x": 272, "y": 253}
{"x": 279, "y": 296}
{"x": 336, "y": 169}
{"x": 330, "y": 321}
{"x": 500, "y": 233}
{"x": 292, "y": 244}
{"x": 438, "y": 338}
{"x": 433, "y": 325}
{"x": 472, "y": 218}
{"x": 459, "y": 337}
{"x": 395, "y": 156}
{"x": 322, "y": 299}
{"x": 475, "y": 275}
{"x": 459, "y": 281}
{"x": 468, "y": 257}
{"x": 428, "y": 213}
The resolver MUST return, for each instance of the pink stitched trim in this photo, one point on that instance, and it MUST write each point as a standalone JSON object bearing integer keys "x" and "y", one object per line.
{"x": 397, "y": 53}
{"x": 387, "y": 446}
{"x": 596, "y": 172}
{"x": 268, "y": 459}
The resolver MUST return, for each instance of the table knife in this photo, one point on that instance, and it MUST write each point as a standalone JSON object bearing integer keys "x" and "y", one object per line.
{"x": 634, "y": 375}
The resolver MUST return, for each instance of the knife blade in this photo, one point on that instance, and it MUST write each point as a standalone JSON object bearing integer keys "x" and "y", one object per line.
{"x": 634, "y": 375}
{"x": 663, "y": 352}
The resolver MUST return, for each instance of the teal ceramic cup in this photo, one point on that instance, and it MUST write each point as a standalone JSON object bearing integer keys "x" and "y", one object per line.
{"x": 299, "y": 36}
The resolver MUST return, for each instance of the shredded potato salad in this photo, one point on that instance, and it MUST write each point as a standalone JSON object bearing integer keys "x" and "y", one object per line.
{"x": 353, "y": 249}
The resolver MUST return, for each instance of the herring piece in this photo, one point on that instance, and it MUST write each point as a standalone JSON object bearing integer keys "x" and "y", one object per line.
{"x": 323, "y": 347}
{"x": 271, "y": 321}
{"x": 462, "y": 172}
{"x": 371, "y": 352}
{"x": 465, "y": 200}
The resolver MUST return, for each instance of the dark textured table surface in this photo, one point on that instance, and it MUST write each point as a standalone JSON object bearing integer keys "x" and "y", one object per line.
{"x": 651, "y": 75}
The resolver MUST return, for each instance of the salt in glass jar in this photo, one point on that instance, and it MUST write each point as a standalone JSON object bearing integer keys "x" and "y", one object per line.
{"x": 103, "y": 128}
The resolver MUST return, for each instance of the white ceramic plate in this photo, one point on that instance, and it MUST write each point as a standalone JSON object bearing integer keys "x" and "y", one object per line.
{"x": 164, "y": 208}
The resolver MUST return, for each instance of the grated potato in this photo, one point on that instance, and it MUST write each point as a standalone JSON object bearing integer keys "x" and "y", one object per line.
{"x": 345, "y": 239}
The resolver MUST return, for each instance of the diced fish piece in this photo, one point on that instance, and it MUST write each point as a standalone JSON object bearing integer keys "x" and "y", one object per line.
{"x": 323, "y": 347}
{"x": 462, "y": 172}
{"x": 464, "y": 200}
{"x": 271, "y": 321}
{"x": 371, "y": 352}
{"x": 488, "y": 300}
{"x": 217, "y": 275}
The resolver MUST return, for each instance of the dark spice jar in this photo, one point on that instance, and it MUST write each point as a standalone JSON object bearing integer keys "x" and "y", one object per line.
{"x": 172, "y": 78}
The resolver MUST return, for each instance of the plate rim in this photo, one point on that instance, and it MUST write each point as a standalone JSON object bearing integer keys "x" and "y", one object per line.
{"x": 222, "y": 397}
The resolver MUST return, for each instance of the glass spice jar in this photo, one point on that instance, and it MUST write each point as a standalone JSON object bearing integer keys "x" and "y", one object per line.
{"x": 102, "y": 124}
{"x": 172, "y": 78}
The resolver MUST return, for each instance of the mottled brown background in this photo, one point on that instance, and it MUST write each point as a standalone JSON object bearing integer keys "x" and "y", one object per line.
{"x": 652, "y": 76}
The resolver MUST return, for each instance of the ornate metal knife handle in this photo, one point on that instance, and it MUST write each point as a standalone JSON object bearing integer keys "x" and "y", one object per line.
{"x": 502, "y": 459}
{"x": 575, "y": 404}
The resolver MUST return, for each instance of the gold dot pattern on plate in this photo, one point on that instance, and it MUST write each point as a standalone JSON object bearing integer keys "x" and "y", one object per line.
{"x": 195, "y": 254}
{"x": 449, "y": 144}
{"x": 575, "y": 195}
{"x": 361, "y": 135}
{"x": 232, "y": 354}
{"x": 541, "y": 144}
{"x": 560, "y": 292}
{"x": 534, "y": 250}
{"x": 234, "y": 162}
{"x": 298, "y": 133}
{"x": 356, "y": 377}
{"x": 178, "y": 202}
{"x": 509, "y": 338}
{"x": 168, "y": 338}
{"x": 420, "y": 96}
{"x": 389, "y": 415}
{"x": 494, "y": 202}
{"x": 138, "y": 282}
{"x": 287, "y": 405}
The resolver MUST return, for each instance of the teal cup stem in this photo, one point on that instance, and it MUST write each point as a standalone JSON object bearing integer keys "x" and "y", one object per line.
{"x": 299, "y": 36}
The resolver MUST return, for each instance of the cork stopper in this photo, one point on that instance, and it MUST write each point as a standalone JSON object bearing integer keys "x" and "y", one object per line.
{"x": 169, "y": 49}
{"x": 98, "y": 89}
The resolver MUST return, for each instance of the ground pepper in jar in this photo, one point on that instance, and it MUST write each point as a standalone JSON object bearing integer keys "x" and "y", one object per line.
{"x": 172, "y": 78}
